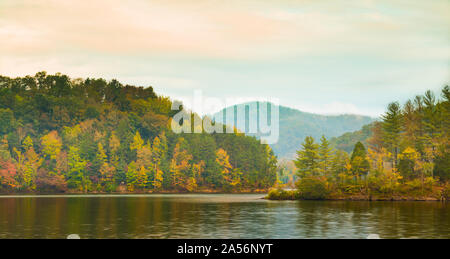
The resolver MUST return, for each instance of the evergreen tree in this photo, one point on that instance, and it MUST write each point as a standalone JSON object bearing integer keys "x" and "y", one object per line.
{"x": 391, "y": 130}
{"x": 325, "y": 154}
{"x": 308, "y": 159}
{"x": 270, "y": 171}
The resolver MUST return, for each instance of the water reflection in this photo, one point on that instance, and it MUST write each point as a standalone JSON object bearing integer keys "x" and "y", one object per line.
{"x": 216, "y": 216}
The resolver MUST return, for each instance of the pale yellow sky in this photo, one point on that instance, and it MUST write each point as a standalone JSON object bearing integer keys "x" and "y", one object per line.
{"x": 229, "y": 47}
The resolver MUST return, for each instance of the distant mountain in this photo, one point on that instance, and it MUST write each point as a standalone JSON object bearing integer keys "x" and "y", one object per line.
{"x": 295, "y": 125}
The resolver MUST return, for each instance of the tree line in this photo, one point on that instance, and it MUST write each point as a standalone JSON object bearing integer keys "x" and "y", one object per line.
{"x": 59, "y": 134}
{"x": 407, "y": 154}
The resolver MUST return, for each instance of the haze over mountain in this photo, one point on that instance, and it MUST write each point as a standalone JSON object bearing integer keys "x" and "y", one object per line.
{"x": 295, "y": 125}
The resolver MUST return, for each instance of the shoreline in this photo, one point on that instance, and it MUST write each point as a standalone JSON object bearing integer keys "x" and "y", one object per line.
{"x": 265, "y": 197}
{"x": 365, "y": 198}
{"x": 126, "y": 193}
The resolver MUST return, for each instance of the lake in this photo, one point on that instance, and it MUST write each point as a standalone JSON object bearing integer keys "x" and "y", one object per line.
{"x": 216, "y": 216}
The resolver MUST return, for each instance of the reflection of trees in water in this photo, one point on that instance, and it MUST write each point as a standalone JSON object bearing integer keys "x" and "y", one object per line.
{"x": 347, "y": 219}
{"x": 217, "y": 216}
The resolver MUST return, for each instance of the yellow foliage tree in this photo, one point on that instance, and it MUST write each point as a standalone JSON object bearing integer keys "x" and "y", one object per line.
{"x": 180, "y": 165}
{"x": 137, "y": 142}
{"x": 51, "y": 144}
{"x": 230, "y": 177}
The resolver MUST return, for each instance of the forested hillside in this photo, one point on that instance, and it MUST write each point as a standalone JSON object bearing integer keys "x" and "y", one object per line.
{"x": 295, "y": 125}
{"x": 59, "y": 134}
{"x": 348, "y": 140}
{"x": 405, "y": 156}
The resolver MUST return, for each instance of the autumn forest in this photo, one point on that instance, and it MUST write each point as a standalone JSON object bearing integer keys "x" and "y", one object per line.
{"x": 59, "y": 134}
{"x": 405, "y": 157}
{"x": 64, "y": 135}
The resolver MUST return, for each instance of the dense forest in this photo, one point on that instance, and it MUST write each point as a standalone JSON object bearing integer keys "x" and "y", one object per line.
{"x": 59, "y": 134}
{"x": 405, "y": 156}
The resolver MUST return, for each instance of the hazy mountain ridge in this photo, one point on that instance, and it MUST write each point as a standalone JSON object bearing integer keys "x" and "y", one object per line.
{"x": 348, "y": 140}
{"x": 295, "y": 125}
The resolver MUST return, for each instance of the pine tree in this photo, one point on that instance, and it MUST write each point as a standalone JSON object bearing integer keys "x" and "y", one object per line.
{"x": 392, "y": 125}
{"x": 270, "y": 172}
{"x": 308, "y": 159}
{"x": 442, "y": 159}
{"x": 430, "y": 118}
{"x": 446, "y": 110}
{"x": 433, "y": 130}
{"x": 325, "y": 154}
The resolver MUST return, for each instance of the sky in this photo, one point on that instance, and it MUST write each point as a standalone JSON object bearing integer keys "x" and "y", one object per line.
{"x": 321, "y": 56}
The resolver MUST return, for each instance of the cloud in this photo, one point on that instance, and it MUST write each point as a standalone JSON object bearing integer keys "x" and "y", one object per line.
{"x": 225, "y": 29}
{"x": 296, "y": 50}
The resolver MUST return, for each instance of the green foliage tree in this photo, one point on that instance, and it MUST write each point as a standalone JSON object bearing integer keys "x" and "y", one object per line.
{"x": 308, "y": 159}
{"x": 180, "y": 166}
{"x": 77, "y": 176}
{"x": 392, "y": 126}
{"x": 312, "y": 188}
{"x": 358, "y": 161}
{"x": 325, "y": 155}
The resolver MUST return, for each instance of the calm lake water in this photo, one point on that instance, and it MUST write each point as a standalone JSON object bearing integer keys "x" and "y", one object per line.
{"x": 216, "y": 216}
